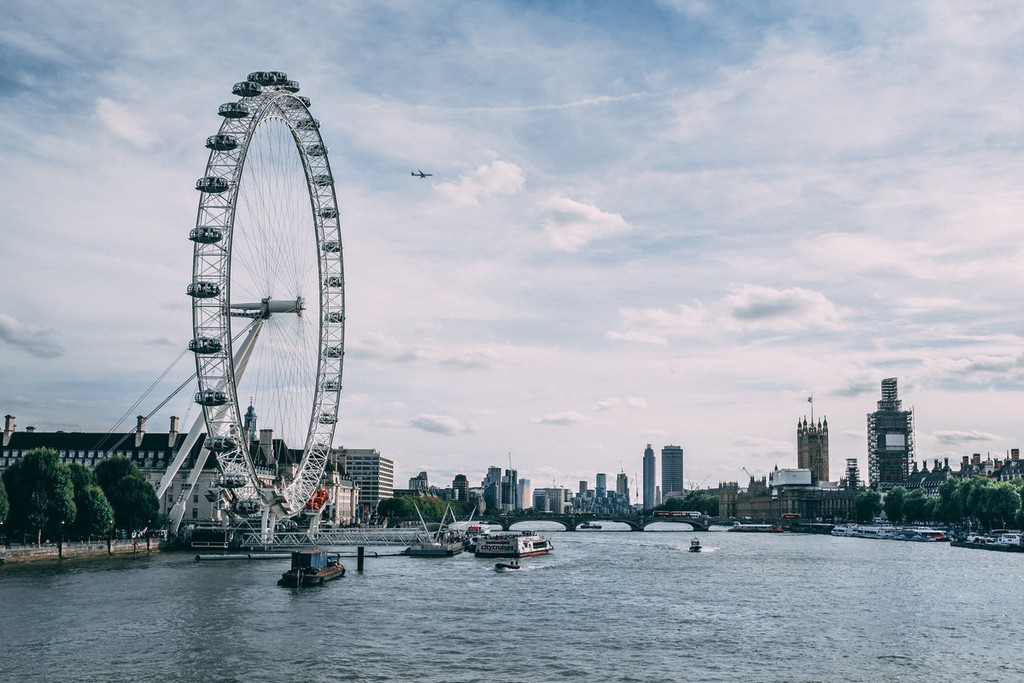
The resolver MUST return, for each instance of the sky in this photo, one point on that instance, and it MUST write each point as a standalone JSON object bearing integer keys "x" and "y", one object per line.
{"x": 648, "y": 222}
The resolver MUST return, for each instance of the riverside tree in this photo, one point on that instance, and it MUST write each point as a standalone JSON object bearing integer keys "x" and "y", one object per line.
{"x": 130, "y": 495}
{"x": 704, "y": 502}
{"x": 42, "y": 497}
{"x": 866, "y": 505}
{"x": 94, "y": 516}
{"x": 4, "y": 505}
{"x": 893, "y": 504}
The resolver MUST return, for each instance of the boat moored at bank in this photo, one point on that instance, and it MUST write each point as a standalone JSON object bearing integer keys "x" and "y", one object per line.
{"x": 755, "y": 528}
{"x": 1002, "y": 540}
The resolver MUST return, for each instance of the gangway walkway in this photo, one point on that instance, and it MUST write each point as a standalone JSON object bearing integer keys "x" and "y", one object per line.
{"x": 357, "y": 536}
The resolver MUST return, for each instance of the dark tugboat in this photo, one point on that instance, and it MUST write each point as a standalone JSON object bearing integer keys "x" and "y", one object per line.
{"x": 311, "y": 568}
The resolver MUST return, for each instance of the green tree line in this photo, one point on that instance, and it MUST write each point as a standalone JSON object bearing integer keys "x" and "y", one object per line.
{"x": 705, "y": 502}
{"x": 978, "y": 502}
{"x": 42, "y": 496}
{"x": 431, "y": 507}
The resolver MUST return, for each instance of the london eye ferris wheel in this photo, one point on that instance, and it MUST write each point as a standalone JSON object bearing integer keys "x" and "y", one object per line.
{"x": 267, "y": 293}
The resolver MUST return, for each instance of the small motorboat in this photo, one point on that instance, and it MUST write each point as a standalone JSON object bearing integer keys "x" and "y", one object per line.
{"x": 502, "y": 566}
{"x": 695, "y": 546}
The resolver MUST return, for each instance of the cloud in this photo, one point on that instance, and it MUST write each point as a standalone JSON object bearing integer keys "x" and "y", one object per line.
{"x": 956, "y": 437}
{"x": 782, "y": 309}
{"x": 570, "y": 224}
{"x": 746, "y": 308}
{"x": 564, "y": 419}
{"x": 620, "y": 402}
{"x": 496, "y": 178}
{"x": 637, "y": 338}
{"x": 33, "y": 342}
{"x": 124, "y": 123}
{"x": 441, "y": 424}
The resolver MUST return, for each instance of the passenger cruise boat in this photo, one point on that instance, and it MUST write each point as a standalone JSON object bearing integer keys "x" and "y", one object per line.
{"x": 513, "y": 544}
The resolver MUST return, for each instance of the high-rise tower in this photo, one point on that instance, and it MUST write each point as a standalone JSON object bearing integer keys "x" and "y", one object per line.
{"x": 890, "y": 440}
{"x": 812, "y": 448}
{"x": 650, "y": 500}
{"x": 671, "y": 472}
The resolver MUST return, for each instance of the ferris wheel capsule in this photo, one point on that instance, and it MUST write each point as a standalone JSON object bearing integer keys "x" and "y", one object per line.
{"x": 233, "y": 110}
{"x": 205, "y": 345}
{"x": 247, "y": 507}
{"x": 222, "y": 444}
{"x": 268, "y": 77}
{"x": 203, "y": 290}
{"x": 206, "y": 234}
{"x": 247, "y": 89}
{"x": 222, "y": 142}
{"x": 212, "y": 184}
{"x": 231, "y": 480}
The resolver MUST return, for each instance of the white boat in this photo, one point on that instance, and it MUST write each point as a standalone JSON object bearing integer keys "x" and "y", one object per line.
{"x": 863, "y": 531}
{"x": 920, "y": 534}
{"x": 755, "y": 528}
{"x": 513, "y": 544}
{"x": 843, "y": 530}
{"x": 474, "y": 536}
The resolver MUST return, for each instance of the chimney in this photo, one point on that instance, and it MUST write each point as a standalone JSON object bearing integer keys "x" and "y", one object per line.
{"x": 8, "y": 428}
{"x": 267, "y": 447}
{"x": 172, "y": 435}
{"x": 140, "y": 430}
{"x": 30, "y": 429}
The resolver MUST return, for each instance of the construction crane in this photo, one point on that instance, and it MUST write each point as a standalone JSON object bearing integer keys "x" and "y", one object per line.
{"x": 749, "y": 474}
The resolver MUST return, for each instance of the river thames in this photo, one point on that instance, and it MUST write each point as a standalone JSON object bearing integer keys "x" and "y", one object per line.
{"x": 605, "y": 606}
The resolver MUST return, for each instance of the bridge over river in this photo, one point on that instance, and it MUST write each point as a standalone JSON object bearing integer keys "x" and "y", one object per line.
{"x": 593, "y": 523}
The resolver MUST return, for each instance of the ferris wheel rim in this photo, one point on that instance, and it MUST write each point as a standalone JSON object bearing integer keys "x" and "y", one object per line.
{"x": 263, "y": 97}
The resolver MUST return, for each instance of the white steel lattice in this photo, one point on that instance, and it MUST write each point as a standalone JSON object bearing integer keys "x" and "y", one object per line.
{"x": 238, "y": 210}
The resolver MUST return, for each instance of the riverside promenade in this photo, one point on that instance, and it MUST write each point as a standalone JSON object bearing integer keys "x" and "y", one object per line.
{"x": 56, "y": 552}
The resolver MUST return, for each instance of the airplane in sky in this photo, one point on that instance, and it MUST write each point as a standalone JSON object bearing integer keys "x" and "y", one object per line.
{"x": 421, "y": 174}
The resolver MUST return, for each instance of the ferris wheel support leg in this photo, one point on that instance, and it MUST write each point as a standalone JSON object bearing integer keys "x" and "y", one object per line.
{"x": 314, "y": 527}
{"x": 178, "y": 511}
{"x": 198, "y": 427}
{"x": 267, "y": 527}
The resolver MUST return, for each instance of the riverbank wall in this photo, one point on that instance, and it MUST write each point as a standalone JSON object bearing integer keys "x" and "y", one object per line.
{"x": 66, "y": 551}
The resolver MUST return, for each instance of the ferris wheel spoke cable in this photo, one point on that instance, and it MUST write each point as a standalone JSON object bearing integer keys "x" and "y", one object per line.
{"x": 148, "y": 391}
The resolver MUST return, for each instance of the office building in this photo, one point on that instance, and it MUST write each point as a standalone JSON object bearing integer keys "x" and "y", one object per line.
{"x": 650, "y": 483}
{"x": 622, "y": 486}
{"x": 460, "y": 487}
{"x": 524, "y": 496}
{"x": 672, "y": 472}
{"x": 373, "y": 473}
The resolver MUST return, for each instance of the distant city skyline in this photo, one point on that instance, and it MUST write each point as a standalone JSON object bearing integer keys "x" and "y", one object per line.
{"x": 647, "y": 222}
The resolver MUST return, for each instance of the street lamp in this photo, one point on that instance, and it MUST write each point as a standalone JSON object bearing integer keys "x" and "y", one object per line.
{"x": 60, "y": 543}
